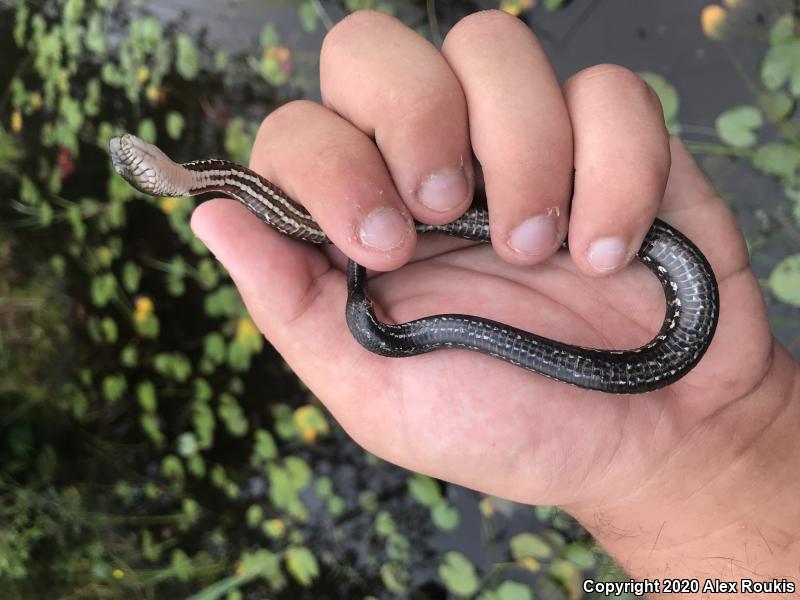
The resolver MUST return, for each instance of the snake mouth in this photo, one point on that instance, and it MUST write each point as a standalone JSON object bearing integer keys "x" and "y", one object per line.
{"x": 124, "y": 162}
{"x": 118, "y": 162}
{"x": 142, "y": 165}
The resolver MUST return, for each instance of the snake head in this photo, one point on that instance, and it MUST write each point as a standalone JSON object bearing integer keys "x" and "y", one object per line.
{"x": 146, "y": 167}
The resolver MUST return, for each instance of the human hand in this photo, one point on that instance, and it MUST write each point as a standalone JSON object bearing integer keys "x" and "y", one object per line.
{"x": 396, "y": 112}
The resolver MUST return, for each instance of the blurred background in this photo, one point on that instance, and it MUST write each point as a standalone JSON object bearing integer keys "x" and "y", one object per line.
{"x": 152, "y": 444}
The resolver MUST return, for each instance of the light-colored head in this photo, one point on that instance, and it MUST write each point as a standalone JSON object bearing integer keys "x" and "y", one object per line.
{"x": 146, "y": 167}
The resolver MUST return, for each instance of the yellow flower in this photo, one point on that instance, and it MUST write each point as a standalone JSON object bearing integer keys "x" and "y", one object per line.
{"x": 16, "y": 121}
{"x": 310, "y": 422}
{"x": 530, "y": 563}
{"x": 245, "y": 329}
{"x": 118, "y": 573}
{"x": 143, "y": 74}
{"x": 169, "y": 204}
{"x": 143, "y": 310}
{"x": 104, "y": 254}
{"x": 712, "y": 20}
{"x": 276, "y": 528}
{"x": 516, "y": 7}
{"x": 240, "y": 570}
{"x": 279, "y": 54}
{"x": 154, "y": 94}
{"x": 36, "y": 100}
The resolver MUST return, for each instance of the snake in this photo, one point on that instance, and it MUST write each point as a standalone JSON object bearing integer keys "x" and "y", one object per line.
{"x": 688, "y": 281}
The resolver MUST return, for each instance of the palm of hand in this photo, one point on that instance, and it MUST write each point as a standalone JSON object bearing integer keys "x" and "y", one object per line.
{"x": 491, "y": 426}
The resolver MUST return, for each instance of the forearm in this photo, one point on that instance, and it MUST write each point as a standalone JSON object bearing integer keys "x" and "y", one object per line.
{"x": 734, "y": 515}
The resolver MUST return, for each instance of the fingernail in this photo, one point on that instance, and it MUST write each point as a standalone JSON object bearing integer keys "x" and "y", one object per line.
{"x": 384, "y": 228}
{"x": 607, "y": 254}
{"x": 534, "y": 236}
{"x": 444, "y": 191}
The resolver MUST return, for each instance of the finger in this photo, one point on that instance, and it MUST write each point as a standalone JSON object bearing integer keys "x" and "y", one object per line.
{"x": 520, "y": 132}
{"x": 621, "y": 165}
{"x": 337, "y": 173}
{"x": 693, "y": 205}
{"x": 396, "y": 87}
{"x": 259, "y": 258}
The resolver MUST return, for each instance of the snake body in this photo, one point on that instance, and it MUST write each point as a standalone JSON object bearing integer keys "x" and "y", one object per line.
{"x": 690, "y": 288}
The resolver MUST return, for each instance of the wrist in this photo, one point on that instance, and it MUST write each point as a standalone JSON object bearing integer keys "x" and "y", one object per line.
{"x": 725, "y": 503}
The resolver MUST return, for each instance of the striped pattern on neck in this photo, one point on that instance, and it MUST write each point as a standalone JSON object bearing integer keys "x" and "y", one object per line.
{"x": 269, "y": 202}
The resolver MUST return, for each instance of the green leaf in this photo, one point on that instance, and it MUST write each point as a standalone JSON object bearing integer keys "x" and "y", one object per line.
{"x": 308, "y": 17}
{"x": 147, "y": 131}
{"x": 102, "y": 289}
{"x": 269, "y": 36}
{"x": 298, "y": 471}
{"x": 781, "y": 64}
{"x": 203, "y": 421}
{"x": 197, "y": 466}
{"x": 445, "y": 516}
{"x": 172, "y": 468}
{"x": 73, "y": 10}
{"x": 186, "y": 60}
{"x": 174, "y": 124}
{"x": 737, "y": 126}
{"x": 254, "y": 515}
{"x": 264, "y": 448}
{"x": 274, "y": 529}
{"x": 323, "y": 487}
{"x": 181, "y": 565}
{"x": 579, "y": 555}
{"x": 512, "y": 590}
{"x": 776, "y": 105}
{"x": 784, "y": 281}
{"x": 232, "y": 415}
{"x": 95, "y": 37}
{"x": 782, "y": 30}
{"x": 129, "y": 356}
{"x": 384, "y": 524}
{"x": 114, "y": 387}
{"x": 110, "y": 331}
{"x": 458, "y": 574}
{"x": 424, "y": 490}
{"x": 131, "y": 276}
{"x": 667, "y": 95}
{"x": 565, "y": 573}
{"x": 398, "y": 548}
{"x": 302, "y": 564}
{"x": 335, "y": 505}
{"x": 146, "y": 393}
{"x": 214, "y": 346}
{"x": 187, "y": 444}
{"x": 150, "y": 426}
{"x": 280, "y": 490}
{"x": 529, "y": 545}
{"x": 395, "y": 577}
{"x": 778, "y": 159}
{"x": 553, "y": 5}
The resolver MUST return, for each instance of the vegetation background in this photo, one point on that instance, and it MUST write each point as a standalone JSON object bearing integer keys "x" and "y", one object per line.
{"x": 152, "y": 445}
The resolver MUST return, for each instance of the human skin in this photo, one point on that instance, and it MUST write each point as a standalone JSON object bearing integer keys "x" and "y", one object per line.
{"x": 698, "y": 479}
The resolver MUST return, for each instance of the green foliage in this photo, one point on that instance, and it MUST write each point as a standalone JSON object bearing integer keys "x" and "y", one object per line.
{"x": 458, "y": 574}
{"x": 151, "y": 447}
{"x": 784, "y": 281}
{"x": 737, "y": 126}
